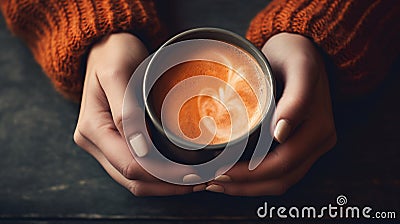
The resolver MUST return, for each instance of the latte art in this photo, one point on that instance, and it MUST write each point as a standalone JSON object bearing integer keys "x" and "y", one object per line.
{"x": 206, "y": 102}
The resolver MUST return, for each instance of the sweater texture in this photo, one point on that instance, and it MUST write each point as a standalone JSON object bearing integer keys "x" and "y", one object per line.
{"x": 60, "y": 33}
{"x": 361, "y": 37}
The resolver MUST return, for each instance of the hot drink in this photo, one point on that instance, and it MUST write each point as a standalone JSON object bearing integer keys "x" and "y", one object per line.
{"x": 208, "y": 102}
{"x": 208, "y": 97}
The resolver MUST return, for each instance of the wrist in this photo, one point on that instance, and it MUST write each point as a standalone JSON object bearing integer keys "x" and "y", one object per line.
{"x": 116, "y": 53}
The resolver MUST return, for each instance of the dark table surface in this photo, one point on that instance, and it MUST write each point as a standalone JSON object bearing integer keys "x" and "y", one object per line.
{"x": 45, "y": 177}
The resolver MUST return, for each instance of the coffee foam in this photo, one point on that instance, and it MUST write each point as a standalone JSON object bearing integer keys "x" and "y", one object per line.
{"x": 224, "y": 106}
{"x": 224, "y": 84}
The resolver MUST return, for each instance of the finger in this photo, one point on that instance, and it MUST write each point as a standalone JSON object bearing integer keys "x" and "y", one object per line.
{"x": 293, "y": 106}
{"x": 137, "y": 171}
{"x": 300, "y": 79}
{"x": 114, "y": 148}
{"x": 305, "y": 142}
{"x": 141, "y": 188}
{"x": 99, "y": 129}
{"x": 134, "y": 130}
{"x": 115, "y": 75}
{"x": 262, "y": 187}
{"x": 142, "y": 174}
{"x": 145, "y": 187}
{"x": 270, "y": 186}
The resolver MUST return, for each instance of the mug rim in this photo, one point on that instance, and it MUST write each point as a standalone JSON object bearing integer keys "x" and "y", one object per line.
{"x": 245, "y": 45}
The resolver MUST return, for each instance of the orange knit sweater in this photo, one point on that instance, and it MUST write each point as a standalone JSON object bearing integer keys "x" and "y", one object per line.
{"x": 60, "y": 32}
{"x": 361, "y": 37}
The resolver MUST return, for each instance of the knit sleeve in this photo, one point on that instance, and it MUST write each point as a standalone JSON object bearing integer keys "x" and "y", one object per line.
{"x": 361, "y": 37}
{"x": 59, "y": 33}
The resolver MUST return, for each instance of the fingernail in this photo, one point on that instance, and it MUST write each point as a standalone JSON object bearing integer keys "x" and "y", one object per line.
{"x": 139, "y": 144}
{"x": 215, "y": 188}
{"x": 191, "y": 178}
{"x": 282, "y": 130}
{"x": 200, "y": 187}
{"x": 223, "y": 178}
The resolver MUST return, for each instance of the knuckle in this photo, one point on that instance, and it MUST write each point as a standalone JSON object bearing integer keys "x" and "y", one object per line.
{"x": 284, "y": 166}
{"x": 306, "y": 59}
{"x": 131, "y": 171}
{"x": 82, "y": 142}
{"x": 301, "y": 58}
{"x": 118, "y": 119}
{"x": 89, "y": 127}
{"x": 85, "y": 127}
{"x": 236, "y": 191}
{"x": 283, "y": 163}
{"x": 78, "y": 138}
{"x": 133, "y": 187}
{"x": 179, "y": 191}
{"x": 83, "y": 134}
{"x": 110, "y": 73}
{"x": 332, "y": 140}
{"x": 282, "y": 188}
{"x": 140, "y": 189}
{"x": 331, "y": 136}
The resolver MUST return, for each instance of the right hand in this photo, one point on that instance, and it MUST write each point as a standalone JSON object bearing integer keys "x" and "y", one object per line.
{"x": 110, "y": 64}
{"x": 303, "y": 121}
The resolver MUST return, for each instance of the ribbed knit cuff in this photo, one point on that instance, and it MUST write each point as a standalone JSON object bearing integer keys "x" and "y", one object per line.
{"x": 59, "y": 33}
{"x": 360, "y": 36}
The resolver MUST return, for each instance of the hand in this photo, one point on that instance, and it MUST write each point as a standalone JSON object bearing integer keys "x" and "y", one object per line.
{"x": 303, "y": 122}
{"x": 110, "y": 65}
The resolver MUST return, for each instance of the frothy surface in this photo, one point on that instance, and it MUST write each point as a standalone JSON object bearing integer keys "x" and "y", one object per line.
{"x": 214, "y": 114}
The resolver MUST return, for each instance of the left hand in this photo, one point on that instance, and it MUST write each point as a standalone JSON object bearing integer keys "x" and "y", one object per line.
{"x": 99, "y": 130}
{"x": 303, "y": 122}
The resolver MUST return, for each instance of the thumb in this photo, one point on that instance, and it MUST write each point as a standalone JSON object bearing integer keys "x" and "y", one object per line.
{"x": 292, "y": 108}
{"x": 126, "y": 52}
{"x": 126, "y": 113}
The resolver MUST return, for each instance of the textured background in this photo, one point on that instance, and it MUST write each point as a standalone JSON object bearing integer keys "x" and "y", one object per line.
{"x": 45, "y": 177}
